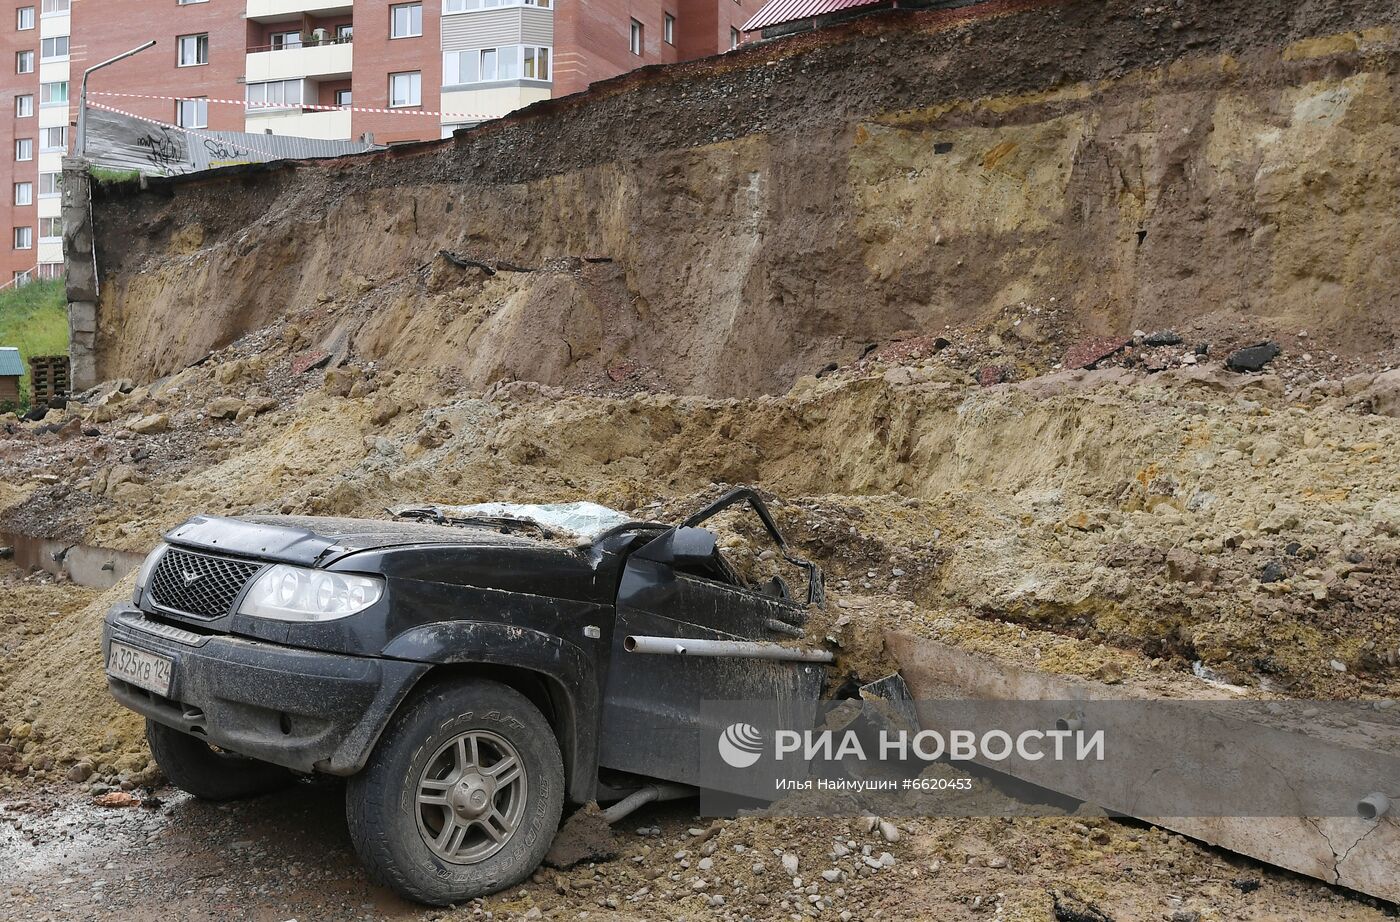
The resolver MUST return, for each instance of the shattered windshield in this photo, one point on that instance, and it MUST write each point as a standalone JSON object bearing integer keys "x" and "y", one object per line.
{"x": 585, "y": 521}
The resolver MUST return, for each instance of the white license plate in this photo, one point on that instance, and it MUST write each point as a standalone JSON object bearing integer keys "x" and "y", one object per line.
{"x": 147, "y": 670}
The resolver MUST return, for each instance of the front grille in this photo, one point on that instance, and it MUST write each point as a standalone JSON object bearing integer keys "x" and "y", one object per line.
{"x": 199, "y": 585}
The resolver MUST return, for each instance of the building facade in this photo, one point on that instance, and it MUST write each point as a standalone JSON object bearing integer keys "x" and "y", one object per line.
{"x": 395, "y": 71}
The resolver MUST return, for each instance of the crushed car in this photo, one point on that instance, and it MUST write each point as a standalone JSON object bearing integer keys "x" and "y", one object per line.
{"x": 471, "y": 670}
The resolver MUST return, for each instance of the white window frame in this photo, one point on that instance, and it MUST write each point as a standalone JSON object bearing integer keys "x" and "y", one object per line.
{"x": 734, "y": 38}
{"x": 24, "y": 194}
{"x": 668, "y": 29}
{"x": 198, "y": 46}
{"x": 278, "y": 41}
{"x": 57, "y": 184}
{"x": 52, "y": 41}
{"x": 24, "y": 105}
{"x": 490, "y": 65}
{"x": 410, "y": 9}
{"x": 45, "y": 132}
{"x": 198, "y": 107}
{"x": 50, "y": 238}
{"x": 25, "y": 145}
{"x": 45, "y": 89}
{"x": 24, "y": 238}
{"x": 24, "y": 57}
{"x": 636, "y": 37}
{"x": 548, "y": 54}
{"x": 21, "y": 18}
{"x": 451, "y": 7}
{"x": 260, "y": 95}
{"x": 50, "y": 270}
{"x": 57, "y": 7}
{"x": 415, "y": 85}
{"x": 349, "y": 98}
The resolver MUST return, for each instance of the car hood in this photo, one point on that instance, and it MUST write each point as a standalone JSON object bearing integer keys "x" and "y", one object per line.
{"x": 317, "y": 540}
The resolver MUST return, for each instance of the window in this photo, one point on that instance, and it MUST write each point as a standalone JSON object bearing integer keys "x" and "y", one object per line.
{"x": 509, "y": 62}
{"x": 53, "y": 138}
{"x": 635, "y": 41}
{"x": 50, "y": 184}
{"x": 275, "y": 93}
{"x": 462, "y": 6}
{"x": 24, "y": 17}
{"x": 53, "y": 94}
{"x": 52, "y": 270}
{"x": 53, "y": 49}
{"x": 188, "y": 2}
{"x": 345, "y": 32}
{"x": 668, "y": 29}
{"x": 24, "y": 62}
{"x": 405, "y": 89}
{"x": 24, "y": 193}
{"x": 733, "y": 38}
{"x": 342, "y": 97}
{"x": 24, "y": 106}
{"x": 50, "y": 229}
{"x": 24, "y": 149}
{"x": 24, "y": 238}
{"x": 55, "y": 6}
{"x": 192, "y": 113}
{"x": 284, "y": 40}
{"x": 192, "y": 49}
{"x": 536, "y": 63}
{"x": 405, "y": 20}
{"x": 22, "y": 278}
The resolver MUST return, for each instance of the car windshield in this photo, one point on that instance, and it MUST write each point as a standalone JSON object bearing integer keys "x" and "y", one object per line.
{"x": 585, "y": 521}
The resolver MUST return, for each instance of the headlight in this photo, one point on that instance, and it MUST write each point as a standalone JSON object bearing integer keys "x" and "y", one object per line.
{"x": 297, "y": 594}
{"x": 143, "y": 576}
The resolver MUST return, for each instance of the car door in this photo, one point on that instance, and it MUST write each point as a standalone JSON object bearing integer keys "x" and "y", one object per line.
{"x": 652, "y": 713}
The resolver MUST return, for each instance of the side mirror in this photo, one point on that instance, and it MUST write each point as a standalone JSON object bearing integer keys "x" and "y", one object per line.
{"x": 681, "y": 546}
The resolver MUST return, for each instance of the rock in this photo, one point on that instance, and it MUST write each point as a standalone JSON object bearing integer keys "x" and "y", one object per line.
{"x": 117, "y": 799}
{"x": 1252, "y": 358}
{"x": 223, "y": 408}
{"x": 80, "y": 772}
{"x": 832, "y": 875}
{"x": 1337, "y": 665}
{"x": 1162, "y": 338}
{"x": 1185, "y": 915}
{"x": 1109, "y": 673}
{"x": 888, "y": 831}
{"x": 990, "y": 375}
{"x": 790, "y": 864}
{"x": 1273, "y": 571}
{"x": 339, "y": 381}
{"x": 384, "y": 410}
{"x": 262, "y": 404}
{"x": 156, "y": 422}
{"x": 306, "y": 361}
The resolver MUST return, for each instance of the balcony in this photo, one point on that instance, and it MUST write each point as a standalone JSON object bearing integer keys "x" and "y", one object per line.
{"x": 331, "y": 59}
{"x": 332, "y": 126}
{"x": 284, "y": 10}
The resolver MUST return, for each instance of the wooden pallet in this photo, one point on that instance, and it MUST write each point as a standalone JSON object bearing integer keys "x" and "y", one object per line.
{"x": 48, "y": 375}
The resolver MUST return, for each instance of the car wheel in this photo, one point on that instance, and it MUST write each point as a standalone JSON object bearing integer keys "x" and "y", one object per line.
{"x": 208, "y": 773}
{"x": 462, "y": 795}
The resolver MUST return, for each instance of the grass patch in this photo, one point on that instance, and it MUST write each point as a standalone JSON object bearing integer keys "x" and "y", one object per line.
{"x": 34, "y": 317}
{"x": 109, "y": 177}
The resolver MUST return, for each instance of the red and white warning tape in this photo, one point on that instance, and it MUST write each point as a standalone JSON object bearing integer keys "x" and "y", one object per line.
{"x": 293, "y": 105}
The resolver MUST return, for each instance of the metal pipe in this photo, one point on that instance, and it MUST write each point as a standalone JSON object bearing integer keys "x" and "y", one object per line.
{"x": 1373, "y": 806}
{"x": 80, "y": 149}
{"x": 638, "y": 799}
{"x": 737, "y": 649}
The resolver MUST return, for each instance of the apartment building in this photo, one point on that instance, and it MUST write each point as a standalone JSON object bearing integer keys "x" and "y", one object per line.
{"x": 396, "y": 70}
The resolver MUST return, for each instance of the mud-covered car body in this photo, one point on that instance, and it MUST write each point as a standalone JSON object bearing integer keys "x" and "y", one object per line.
{"x": 545, "y": 614}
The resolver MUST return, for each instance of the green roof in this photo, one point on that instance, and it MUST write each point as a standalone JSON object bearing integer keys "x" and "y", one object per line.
{"x": 10, "y": 363}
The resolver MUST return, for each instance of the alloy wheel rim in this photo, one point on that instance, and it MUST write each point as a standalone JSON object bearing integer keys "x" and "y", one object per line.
{"x": 470, "y": 797}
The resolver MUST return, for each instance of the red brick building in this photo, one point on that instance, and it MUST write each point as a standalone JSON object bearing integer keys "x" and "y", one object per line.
{"x": 397, "y": 70}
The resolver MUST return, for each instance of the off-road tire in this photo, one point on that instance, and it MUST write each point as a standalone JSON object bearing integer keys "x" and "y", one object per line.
{"x": 193, "y": 765}
{"x": 382, "y": 809}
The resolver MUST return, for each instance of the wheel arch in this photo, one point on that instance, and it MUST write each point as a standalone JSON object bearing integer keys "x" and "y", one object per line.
{"x": 554, "y": 675}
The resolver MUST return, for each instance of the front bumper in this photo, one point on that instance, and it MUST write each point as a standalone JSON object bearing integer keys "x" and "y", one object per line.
{"x": 302, "y": 709}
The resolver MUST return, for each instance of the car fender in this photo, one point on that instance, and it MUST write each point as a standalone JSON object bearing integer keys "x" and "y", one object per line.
{"x": 564, "y": 665}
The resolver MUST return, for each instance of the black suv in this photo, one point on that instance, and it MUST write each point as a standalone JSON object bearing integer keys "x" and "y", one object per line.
{"x": 469, "y": 669}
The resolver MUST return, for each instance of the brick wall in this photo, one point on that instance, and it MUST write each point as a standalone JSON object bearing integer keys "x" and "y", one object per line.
{"x": 377, "y": 56}
{"x": 103, "y": 28}
{"x": 11, "y": 85}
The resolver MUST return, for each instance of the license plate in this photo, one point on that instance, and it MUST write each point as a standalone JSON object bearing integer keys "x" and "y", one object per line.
{"x": 147, "y": 670}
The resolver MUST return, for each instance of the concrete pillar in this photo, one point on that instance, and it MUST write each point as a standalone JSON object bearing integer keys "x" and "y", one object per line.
{"x": 80, "y": 272}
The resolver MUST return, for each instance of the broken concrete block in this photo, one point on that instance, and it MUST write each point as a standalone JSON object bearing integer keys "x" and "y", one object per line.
{"x": 1089, "y": 353}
